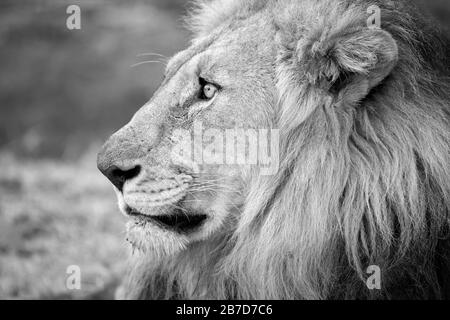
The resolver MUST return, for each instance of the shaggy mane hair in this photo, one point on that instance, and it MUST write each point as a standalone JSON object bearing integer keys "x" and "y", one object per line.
{"x": 358, "y": 185}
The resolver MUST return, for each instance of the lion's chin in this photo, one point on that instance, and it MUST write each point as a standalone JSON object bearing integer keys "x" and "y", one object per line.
{"x": 147, "y": 238}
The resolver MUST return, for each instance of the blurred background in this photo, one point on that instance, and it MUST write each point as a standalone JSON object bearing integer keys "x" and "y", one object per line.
{"x": 62, "y": 93}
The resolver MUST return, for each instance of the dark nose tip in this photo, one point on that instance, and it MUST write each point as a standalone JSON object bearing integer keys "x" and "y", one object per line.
{"x": 120, "y": 157}
{"x": 118, "y": 176}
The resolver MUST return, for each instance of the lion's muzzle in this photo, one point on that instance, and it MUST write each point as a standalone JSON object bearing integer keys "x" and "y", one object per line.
{"x": 119, "y": 158}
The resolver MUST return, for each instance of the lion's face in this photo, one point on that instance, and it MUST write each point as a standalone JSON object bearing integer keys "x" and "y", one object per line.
{"x": 175, "y": 175}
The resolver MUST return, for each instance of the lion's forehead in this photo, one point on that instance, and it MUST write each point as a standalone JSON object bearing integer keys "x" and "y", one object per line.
{"x": 239, "y": 47}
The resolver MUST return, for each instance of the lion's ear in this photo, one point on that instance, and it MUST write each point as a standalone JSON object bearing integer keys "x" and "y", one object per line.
{"x": 348, "y": 63}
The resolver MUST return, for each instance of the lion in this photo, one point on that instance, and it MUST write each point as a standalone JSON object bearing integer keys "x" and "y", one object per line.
{"x": 363, "y": 177}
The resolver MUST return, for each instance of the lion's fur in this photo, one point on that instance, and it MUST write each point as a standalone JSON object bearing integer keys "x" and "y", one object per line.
{"x": 359, "y": 184}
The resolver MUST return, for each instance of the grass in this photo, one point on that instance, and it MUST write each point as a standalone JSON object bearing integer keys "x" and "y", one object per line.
{"x": 52, "y": 215}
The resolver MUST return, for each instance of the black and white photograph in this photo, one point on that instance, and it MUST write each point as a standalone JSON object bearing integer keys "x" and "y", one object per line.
{"x": 225, "y": 154}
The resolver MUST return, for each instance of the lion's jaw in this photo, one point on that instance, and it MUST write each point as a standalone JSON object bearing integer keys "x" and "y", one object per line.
{"x": 166, "y": 214}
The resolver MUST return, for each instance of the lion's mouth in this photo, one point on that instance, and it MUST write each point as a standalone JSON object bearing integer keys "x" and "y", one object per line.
{"x": 178, "y": 220}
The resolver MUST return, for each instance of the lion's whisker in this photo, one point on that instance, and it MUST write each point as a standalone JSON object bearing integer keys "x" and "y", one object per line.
{"x": 146, "y": 62}
{"x": 151, "y": 54}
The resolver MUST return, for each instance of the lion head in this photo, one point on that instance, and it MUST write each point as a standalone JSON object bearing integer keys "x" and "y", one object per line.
{"x": 289, "y": 148}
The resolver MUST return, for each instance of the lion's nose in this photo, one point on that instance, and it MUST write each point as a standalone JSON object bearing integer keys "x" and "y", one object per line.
{"x": 118, "y": 175}
{"x": 130, "y": 150}
{"x": 119, "y": 160}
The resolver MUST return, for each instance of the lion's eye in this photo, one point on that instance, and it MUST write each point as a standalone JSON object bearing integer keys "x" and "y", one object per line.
{"x": 208, "y": 90}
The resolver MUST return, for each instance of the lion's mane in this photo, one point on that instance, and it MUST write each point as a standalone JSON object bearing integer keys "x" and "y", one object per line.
{"x": 358, "y": 186}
